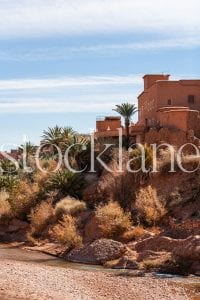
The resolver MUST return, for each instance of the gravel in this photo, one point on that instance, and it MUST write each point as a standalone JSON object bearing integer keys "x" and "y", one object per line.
{"x": 22, "y": 280}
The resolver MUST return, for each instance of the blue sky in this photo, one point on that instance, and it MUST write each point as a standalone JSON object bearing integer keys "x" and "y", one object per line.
{"x": 65, "y": 62}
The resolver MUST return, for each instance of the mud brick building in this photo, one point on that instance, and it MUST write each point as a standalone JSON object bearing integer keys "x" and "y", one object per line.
{"x": 168, "y": 111}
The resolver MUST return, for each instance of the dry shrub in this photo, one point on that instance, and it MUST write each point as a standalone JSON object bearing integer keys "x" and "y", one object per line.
{"x": 149, "y": 206}
{"x": 134, "y": 233}
{"x": 65, "y": 232}
{"x": 116, "y": 185}
{"x": 123, "y": 190}
{"x": 135, "y": 155}
{"x": 97, "y": 192}
{"x": 155, "y": 230}
{"x": 40, "y": 217}
{"x": 165, "y": 160}
{"x": 24, "y": 198}
{"x": 49, "y": 166}
{"x": 174, "y": 199}
{"x": 5, "y": 208}
{"x": 41, "y": 178}
{"x": 112, "y": 220}
{"x": 156, "y": 263}
{"x": 69, "y": 206}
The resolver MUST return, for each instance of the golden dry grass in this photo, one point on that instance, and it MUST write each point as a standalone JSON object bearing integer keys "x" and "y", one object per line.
{"x": 40, "y": 217}
{"x": 112, "y": 220}
{"x": 24, "y": 198}
{"x": 133, "y": 233}
{"x": 65, "y": 232}
{"x": 149, "y": 206}
{"x": 5, "y": 208}
{"x": 69, "y": 206}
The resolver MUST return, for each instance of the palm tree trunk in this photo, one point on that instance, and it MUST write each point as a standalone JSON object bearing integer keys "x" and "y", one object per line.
{"x": 127, "y": 124}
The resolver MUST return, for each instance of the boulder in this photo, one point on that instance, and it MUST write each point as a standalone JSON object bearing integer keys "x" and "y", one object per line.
{"x": 188, "y": 249}
{"x": 157, "y": 244}
{"x": 195, "y": 268}
{"x": 152, "y": 255}
{"x": 53, "y": 249}
{"x": 126, "y": 262}
{"x": 98, "y": 252}
{"x": 16, "y": 225}
{"x": 13, "y": 230}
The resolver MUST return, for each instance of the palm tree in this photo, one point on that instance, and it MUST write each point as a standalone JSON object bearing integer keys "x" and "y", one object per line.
{"x": 29, "y": 148}
{"x": 68, "y": 135}
{"x": 126, "y": 110}
{"x": 52, "y": 136}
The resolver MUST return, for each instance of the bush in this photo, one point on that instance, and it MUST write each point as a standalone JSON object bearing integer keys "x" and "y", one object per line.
{"x": 66, "y": 233}
{"x": 7, "y": 167}
{"x": 23, "y": 199}
{"x": 136, "y": 156}
{"x": 124, "y": 190}
{"x": 8, "y": 182}
{"x": 133, "y": 233}
{"x": 5, "y": 208}
{"x": 149, "y": 207}
{"x": 40, "y": 217}
{"x": 66, "y": 182}
{"x": 70, "y": 206}
{"x": 112, "y": 220}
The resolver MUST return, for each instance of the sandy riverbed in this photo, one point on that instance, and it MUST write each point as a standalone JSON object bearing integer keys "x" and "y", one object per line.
{"x": 33, "y": 280}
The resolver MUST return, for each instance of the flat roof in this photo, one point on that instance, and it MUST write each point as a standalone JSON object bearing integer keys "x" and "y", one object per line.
{"x": 164, "y": 75}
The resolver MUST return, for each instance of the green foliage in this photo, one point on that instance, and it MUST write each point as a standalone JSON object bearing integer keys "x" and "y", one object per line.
{"x": 8, "y": 182}
{"x": 64, "y": 138}
{"x": 8, "y": 167}
{"x": 27, "y": 148}
{"x": 126, "y": 110}
{"x": 137, "y": 154}
{"x": 66, "y": 182}
{"x": 52, "y": 136}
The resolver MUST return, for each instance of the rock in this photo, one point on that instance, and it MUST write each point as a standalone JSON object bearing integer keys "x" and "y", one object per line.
{"x": 195, "y": 268}
{"x": 135, "y": 233}
{"x": 53, "y": 249}
{"x": 92, "y": 230}
{"x": 98, "y": 252}
{"x": 16, "y": 225}
{"x": 184, "y": 252}
{"x": 157, "y": 244}
{"x": 189, "y": 249}
{"x": 126, "y": 262}
{"x": 83, "y": 218}
{"x": 152, "y": 255}
{"x": 14, "y": 230}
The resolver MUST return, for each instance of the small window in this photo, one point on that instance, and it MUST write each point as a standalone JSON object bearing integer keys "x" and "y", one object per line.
{"x": 169, "y": 101}
{"x": 191, "y": 99}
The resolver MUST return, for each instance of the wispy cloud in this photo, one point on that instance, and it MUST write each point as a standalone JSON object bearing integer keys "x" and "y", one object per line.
{"x": 67, "y": 94}
{"x": 104, "y": 104}
{"x": 70, "y": 94}
{"x": 46, "y": 83}
{"x": 55, "y": 53}
{"x": 69, "y": 17}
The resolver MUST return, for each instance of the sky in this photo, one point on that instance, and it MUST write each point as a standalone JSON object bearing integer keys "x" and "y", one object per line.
{"x": 66, "y": 62}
